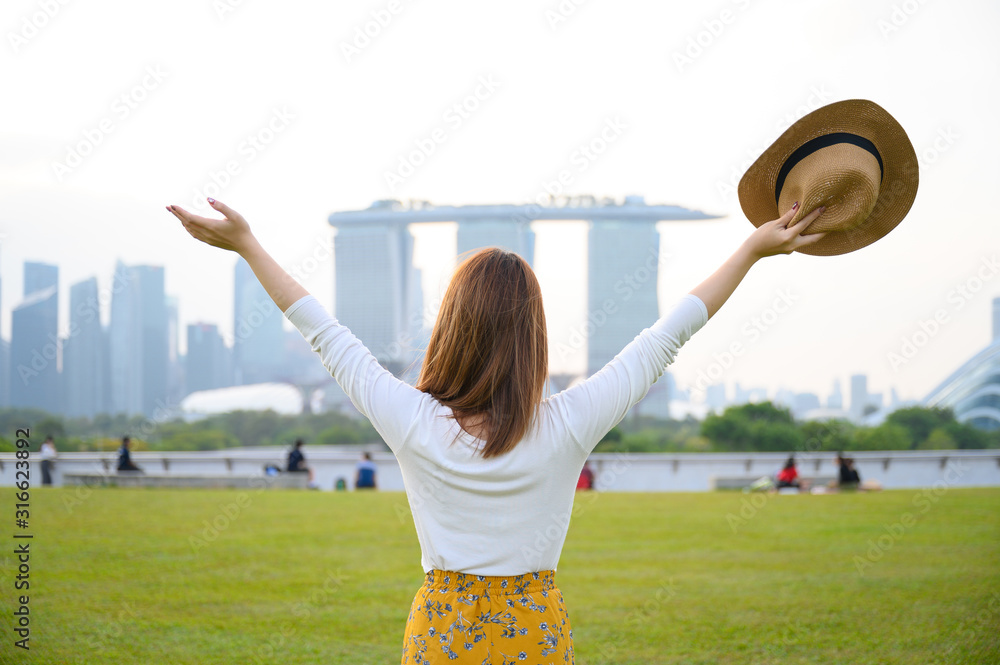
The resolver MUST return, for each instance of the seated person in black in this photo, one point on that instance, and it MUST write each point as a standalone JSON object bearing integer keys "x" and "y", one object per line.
{"x": 848, "y": 477}
{"x": 125, "y": 457}
{"x": 297, "y": 461}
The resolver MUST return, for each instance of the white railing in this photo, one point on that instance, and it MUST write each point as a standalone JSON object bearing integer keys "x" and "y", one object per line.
{"x": 686, "y": 472}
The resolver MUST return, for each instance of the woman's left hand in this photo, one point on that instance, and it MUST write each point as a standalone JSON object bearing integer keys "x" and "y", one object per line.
{"x": 232, "y": 232}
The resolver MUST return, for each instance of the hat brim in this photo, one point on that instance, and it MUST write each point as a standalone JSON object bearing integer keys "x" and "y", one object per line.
{"x": 897, "y": 189}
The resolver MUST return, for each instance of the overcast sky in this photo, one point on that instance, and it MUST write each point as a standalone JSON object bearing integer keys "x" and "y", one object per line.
{"x": 114, "y": 109}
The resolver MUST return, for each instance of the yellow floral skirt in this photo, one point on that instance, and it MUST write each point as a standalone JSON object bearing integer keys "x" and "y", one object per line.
{"x": 488, "y": 620}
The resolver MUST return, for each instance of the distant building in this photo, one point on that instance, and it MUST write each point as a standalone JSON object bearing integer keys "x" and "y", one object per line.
{"x": 257, "y": 331}
{"x": 206, "y": 366}
{"x": 996, "y": 319}
{"x": 374, "y": 288}
{"x": 715, "y": 396}
{"x": 623, "y": 259}
{"x": 475, "y": 234}
{"x": 836, "y": 399}
{"x": 84, "y": 376}
{"x": 34, "y": 345}
{"x": 803, "y": 403}
{"x": 138, "y": 336}
{"x": 39, "y": 276}
{"x": 973, "y": 390}
{"x": 859, "y": 396}
{"x": 4, "y": 373}
{"x": 375, "y": 279}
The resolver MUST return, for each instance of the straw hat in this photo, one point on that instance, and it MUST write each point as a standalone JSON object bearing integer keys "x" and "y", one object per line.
{"x": 852, "y": 157}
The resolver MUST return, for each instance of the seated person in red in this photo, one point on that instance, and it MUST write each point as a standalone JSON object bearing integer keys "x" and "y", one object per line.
{"x": 788, "y": 476}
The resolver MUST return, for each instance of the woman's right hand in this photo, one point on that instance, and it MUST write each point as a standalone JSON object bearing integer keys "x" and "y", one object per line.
{"x": 777, "y": 237}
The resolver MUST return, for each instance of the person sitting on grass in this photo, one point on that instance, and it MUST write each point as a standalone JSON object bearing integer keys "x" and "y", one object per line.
{"x": 789, "y": 475}
{"x": 475, "y": 438}
{"x": 125, "y": 456}
{"x": 365, "y": 477}
{"x": 847, "y": 476}
{"x": 297, "y": 461}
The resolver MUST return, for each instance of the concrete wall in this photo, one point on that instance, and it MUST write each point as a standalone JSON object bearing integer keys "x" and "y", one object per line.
{"x": 614, "y": 472}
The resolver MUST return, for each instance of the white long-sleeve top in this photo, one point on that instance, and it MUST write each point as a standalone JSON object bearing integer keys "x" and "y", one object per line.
{"x": 505, "y": 515}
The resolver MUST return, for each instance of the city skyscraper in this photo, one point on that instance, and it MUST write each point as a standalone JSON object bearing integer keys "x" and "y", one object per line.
{"x": 138, "y": 339}
{"x": 84, "y": 377}
{"x": 836, "y": 399}
{"x": 996, "y": 319}
{"x": 175, "y": 362}
{"x": 4, "y": 360}
{"x": 474, "y": 234}
{"x": 374, "y": 293}
{"x": 257, "y": 333}
{"x": 39, "y": 276}
{"x": 34, "y": 345}
{"x": 622, "y": 268}
{"x": 859, "y": 395}
{"x": 206, "y": 364}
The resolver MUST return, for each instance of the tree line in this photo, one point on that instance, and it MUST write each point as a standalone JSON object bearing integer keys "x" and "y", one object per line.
{"x": 237, "y": 428}
{"x": 757, "y": 427}
{"x": 766, "y": 427}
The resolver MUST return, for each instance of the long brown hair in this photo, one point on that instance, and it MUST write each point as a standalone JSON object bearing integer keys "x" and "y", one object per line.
{"x": 488, "y": 354}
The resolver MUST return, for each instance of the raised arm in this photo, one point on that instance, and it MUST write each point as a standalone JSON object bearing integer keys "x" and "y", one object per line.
{"x": 233, "y": 233}
{"x": 390, "y": 404}
{"x": 593, "y": 407}
{"x": 774, "y": 237}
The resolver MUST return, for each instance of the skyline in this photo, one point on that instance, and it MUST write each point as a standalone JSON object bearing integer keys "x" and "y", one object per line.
{"x": 673, "y": 106}
{"x": 249, "y": 315}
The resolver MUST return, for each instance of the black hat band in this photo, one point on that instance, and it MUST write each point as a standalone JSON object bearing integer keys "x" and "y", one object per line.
{"x": 818, "y": 143}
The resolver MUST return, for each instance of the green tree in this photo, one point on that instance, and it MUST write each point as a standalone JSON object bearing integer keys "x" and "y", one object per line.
{"x": 920, "y": 421}
{"x": 887, "y": 436}
{"x": 753, "y": 427}
{"x": 827, "y": 436}
{"x": 939, "y": 439}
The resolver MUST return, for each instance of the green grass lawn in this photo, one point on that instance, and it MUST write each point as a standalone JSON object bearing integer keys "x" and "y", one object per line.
{"x": 123, "y": 576}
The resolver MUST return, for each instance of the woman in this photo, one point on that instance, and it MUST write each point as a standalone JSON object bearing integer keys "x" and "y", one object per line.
{"x": 788, "y": 476}
{"x": 490, "y": 468}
